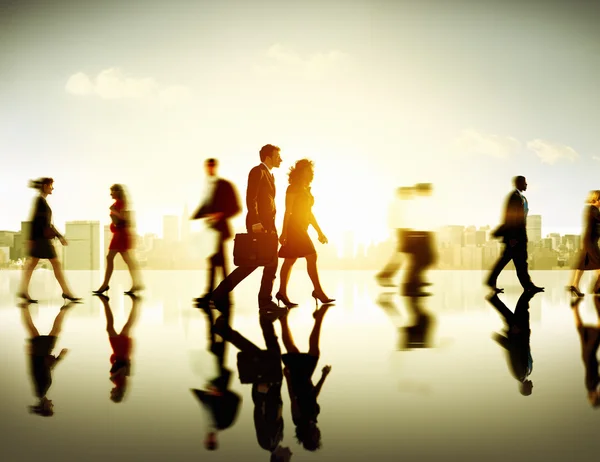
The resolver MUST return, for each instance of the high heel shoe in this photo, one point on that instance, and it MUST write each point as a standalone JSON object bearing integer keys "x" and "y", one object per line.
{"x": 286, "y": 301}
{"x": 26, "y": 298}
{"x": 321, "y": 297}
{"x": 100, "y": 291}
{"x": 133, "y": 290}
{"x": 574, "y": 291}
{"x": 71, "y": 299}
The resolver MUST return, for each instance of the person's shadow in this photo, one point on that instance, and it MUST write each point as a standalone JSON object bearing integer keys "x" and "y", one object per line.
{"x": 121, "y": 344}
{"x": 589, "y": 336}
{"x": 515, "y": 338}
{"x": 41, "y": 360}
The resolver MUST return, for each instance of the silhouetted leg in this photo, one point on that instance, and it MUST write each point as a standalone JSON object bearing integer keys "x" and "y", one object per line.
{"x": 27, "y": 272}
{"x": 232, "y": 280}
{"x": 504, "y": 259}
{"x": 134, "y": 271}
{"x": 60, "y": 276}
{"x": 520, "y": 260}
{"x": 210, "y": 282}
{"x": 597, "y": 283}
{"x": 284, "y": 275}
{"x": 268, "y": 330}
{"x": 110, "y": 265}
{"x": 286, "y": 336}
{"x": 110, "y": 320}
{"x": 28, "y": 322}
{"x": 238, "y": 340}
{"x": 58, "y": 321}
{"x": 391, "y": 267}
{"x": 577, "y": 277}
{"x": 133, "y": 317}
{"x": 313, "y": 339}
{"x": 389, "y": 308}
{"x": 266, "y": 283}
{"x": 313, "y": 272}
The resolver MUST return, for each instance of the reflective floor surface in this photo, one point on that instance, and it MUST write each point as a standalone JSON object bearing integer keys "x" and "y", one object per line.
{"x": 453, "y": 376}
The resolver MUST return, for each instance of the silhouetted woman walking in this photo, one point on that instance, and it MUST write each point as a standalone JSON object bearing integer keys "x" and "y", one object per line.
{"x": 121, "y": 242}
{"x": 41, "y": 360}
{"x": 39, "y": 242}
{"x": 298, "y": 371}
{"x": 294, "y": 239}
{"x": 589, "y": 257}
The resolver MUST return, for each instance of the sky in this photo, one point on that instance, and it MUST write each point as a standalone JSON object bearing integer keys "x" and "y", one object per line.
{"x": 379, "y": 94}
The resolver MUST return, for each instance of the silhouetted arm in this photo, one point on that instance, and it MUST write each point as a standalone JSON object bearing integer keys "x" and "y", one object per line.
{"x": 315, "y": 225}
{"x": 290, "y": 197}
{"x": 252, "y": 195}
{"x": 319, "y": 384}
{"x": 325, "y": 373}
{"x": 501, "y": 340}
{"x": 232, "y": 206}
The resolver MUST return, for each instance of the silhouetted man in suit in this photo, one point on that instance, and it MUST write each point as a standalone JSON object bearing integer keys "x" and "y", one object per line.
{"x": 514, "y": 235}
{"x": 260, "y": 200}
{"x": 220, "y": 403}
{"x": 220, "y": 203}
{"x": 516, "y": 339}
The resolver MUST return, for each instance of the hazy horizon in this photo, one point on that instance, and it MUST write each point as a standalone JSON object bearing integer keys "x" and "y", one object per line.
{"x": 378, "y": 94}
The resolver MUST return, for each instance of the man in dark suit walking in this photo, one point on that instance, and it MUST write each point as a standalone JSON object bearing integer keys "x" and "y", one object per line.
{"x": 514, "y": 235}
{"x": 260, "y": 200}
{"x": 220, "y": 203}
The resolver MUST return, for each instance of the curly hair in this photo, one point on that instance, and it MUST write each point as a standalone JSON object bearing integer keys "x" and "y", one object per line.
{"x": 298, "y": 169}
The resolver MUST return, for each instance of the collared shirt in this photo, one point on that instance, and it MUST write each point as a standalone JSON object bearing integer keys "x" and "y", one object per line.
{"x": 269, "y": 170}
{"x": 525, "y": 204}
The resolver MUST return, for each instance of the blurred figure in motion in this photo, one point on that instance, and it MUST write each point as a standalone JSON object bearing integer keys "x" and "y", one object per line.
{"x": 294, "y": 239}
{"x": 398, "y": 222}
{"x": 39, "y": 242}
{"x": 589, "y": 337}
{"x": 41, "y": 360}
{"x": 298, "y": 371}
{"x": 219, "y": 205}
{"x": 515, "y": 338}
{"x": 121, "y": 345}
{"x": 219, "y": 402}
{"x": 514, "y": 235}
{"x": 121, "y": 242}
{"x": 419, "y": 241}
{"x": 418, "y": 333}
{"x": 589, "y": 257}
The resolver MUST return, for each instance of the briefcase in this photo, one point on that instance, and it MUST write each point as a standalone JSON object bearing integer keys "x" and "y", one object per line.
{"x": 259, "y": 367}
{"x": 255, "y": 249}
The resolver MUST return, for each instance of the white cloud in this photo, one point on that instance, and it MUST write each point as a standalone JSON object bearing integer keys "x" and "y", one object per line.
{"x": 471, "y": 141}
{"x": 112, "y": 83}
{"x": 549, "y": 152}
{"x": 596, "y": 158}
{"x": 281, "y": 60}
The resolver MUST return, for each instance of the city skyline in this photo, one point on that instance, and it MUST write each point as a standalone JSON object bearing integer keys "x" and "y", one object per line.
{"x": 457, "y": 246}
{"x": 379, "y": 94}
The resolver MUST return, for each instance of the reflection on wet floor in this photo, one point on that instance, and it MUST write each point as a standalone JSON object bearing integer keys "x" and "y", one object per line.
{"x": 386, "y": 372}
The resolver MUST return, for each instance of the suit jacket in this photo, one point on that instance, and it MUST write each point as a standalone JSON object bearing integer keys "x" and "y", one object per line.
{"x": 515, "y": 220}
{"x": 260, "y": 199}
{"x": 516, "y": 340}
{"x": 224, "y": 199}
